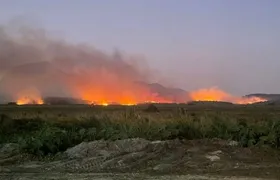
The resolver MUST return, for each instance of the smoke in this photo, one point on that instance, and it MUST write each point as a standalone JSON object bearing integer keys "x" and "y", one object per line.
{"x": 31, "y": 59}
{"x": 34, "y": 65}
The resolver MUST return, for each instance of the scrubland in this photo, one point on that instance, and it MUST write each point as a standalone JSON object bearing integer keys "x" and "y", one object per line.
{"x": 47, "y": 130}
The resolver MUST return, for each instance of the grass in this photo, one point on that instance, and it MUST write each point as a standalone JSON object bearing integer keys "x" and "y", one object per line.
{"x": 49, "y": 130}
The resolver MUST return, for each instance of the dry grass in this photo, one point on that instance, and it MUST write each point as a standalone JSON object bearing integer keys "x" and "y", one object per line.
{"x": 44, "y": 130}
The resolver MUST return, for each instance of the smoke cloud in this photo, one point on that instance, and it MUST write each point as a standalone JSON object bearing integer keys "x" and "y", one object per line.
{"x": 34, "y": 63}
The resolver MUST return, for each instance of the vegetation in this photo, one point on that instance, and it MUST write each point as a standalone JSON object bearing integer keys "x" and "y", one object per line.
{"x": 49, "y": 130}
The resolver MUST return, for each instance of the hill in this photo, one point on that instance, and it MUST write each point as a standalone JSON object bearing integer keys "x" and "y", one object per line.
{"x": 174, "y": 94}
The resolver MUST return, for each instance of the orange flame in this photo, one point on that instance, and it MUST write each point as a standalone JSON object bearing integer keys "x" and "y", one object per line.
{"x": 29, "y": 96}
{"x": 133, "y": 95}
{"x": 29, "y": 100}
{"x": 215, "y": 94}
{"x": 114, "y": 91}
{"x": 211, "y": 94}
{"x": 250, "y": 100}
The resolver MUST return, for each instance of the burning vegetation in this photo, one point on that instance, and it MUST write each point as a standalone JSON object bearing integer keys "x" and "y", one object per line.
{"x": 28, "y": 100}
{"x": 29, "y": 96}
{"x": 34, "y": 66}
{"x": 212, "y": 94}
{"x": 215, "y": 94}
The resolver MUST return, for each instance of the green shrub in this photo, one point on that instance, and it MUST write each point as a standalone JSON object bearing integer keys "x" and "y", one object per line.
{"x": 43, "y": 137}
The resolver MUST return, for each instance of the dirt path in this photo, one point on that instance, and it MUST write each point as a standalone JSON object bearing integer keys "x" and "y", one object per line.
{"x": 104, "y": 176}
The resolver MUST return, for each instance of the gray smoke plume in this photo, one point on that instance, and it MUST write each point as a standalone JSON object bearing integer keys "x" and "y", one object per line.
{"x": 31, "y": 61}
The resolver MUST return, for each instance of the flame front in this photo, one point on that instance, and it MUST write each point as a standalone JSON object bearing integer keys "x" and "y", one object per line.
{"x": 211, "y": 94}
{"x": 109, "y": 88}
{"x": 250, "y": 100}
{"x": 29, "y": 100}
{"x": 29, "y": 96}
{"x": 215, "y": 94}
{"x": 132, "y": 97}
{"x": 139, "y": 96}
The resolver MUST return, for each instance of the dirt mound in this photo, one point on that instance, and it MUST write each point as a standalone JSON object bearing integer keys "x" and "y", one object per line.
{"x": 151, "y": 108}
{"x": 174, "y": 156}
{"x": 106, "y": 148}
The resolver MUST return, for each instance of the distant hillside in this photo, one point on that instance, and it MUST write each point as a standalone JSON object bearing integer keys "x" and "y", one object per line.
{"x": 175, "y": 94}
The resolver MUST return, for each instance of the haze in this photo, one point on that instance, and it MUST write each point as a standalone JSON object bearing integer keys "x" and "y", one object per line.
{"x": 192, "y": 44}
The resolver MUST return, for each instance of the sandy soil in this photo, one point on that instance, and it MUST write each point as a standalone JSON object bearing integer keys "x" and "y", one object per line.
{"x": 142, "y": 159}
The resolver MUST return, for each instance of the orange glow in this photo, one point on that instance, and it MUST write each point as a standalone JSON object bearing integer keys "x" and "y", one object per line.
{"x": 104, "y": 104}
{"x": 112, "y": 89}
{"x": 211, "y": 94}
{"x": 215, "y": 94}
{"x": 250, "y": 100}
{"x": 129, "y": 94}
{"x": 29, "y": 100}
{"x": 122, "y": 99}
{"x": 29, "y": 96}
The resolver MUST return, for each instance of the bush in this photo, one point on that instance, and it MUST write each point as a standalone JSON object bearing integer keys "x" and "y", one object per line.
{"x": 49, "y": 137}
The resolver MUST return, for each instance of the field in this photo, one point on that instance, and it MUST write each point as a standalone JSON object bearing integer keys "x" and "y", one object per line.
{"x": 45, "y": 132}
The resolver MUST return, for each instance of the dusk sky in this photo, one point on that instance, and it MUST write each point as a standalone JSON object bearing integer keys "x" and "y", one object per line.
{"x": 232, "y": 44}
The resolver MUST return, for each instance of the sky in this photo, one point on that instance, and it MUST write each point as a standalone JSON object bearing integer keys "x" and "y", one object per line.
{"x": 194, "y": 44}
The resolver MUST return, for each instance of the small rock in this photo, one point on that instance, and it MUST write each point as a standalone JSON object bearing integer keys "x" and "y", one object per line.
{"x": 213, "y": 158}
{"x": 233, "y": 143}
{"x": 162, "y": 167}
{"x": 216, "y": 152}
{"x": 156, "y": 142}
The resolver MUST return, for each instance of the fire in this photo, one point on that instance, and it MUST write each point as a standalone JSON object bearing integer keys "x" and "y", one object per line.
{"x": 29, "y": 100}
{"x": 250, "y": 100}
{"x": 133, "y": 95}
{"x": 211, "y": 94}
{"x": 115, "y": 91}
{"x": 29, "y": 96}
{"x": 104, "y": 104}
{"x": 215, "y": 94}
{"x": 50, "y": 66}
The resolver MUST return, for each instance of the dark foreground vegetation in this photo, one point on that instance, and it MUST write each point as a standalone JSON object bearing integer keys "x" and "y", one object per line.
{"x": 42, "y": 130}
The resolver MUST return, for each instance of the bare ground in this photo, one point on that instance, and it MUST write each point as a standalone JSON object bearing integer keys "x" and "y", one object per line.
{"x": 142, "y": 159}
